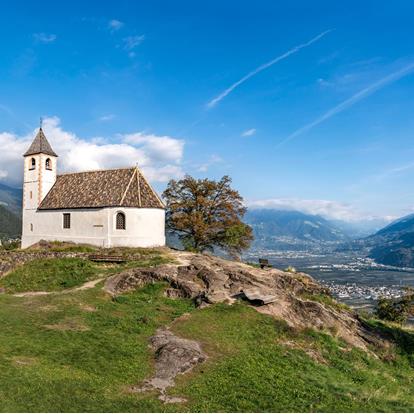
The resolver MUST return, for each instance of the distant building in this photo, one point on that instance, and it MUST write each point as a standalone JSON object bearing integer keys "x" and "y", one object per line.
{"x": 104, "y": 208}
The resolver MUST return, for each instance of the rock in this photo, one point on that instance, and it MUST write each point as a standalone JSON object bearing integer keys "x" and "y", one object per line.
{"x": 208, "y": 279}
{"x": 255, "y": 295}
{"x": 173, "y": 356}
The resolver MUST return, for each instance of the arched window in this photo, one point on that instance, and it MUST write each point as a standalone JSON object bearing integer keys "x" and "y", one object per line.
{"x": 31, "y": 226}
{"x": 32, "y": 164}
{"x": 120, "y": 221}
{"x": 48, "y": 164}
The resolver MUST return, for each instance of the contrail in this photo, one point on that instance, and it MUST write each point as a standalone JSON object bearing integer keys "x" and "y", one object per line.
{"x": 364, "y": 93}
{"x": 218, "y": 98}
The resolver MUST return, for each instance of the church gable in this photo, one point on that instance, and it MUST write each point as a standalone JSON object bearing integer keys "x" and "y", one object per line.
{"x": 139, "y": 193}
{"x": 106, "y": 188}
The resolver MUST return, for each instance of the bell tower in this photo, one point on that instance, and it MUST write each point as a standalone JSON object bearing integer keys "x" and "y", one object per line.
{"x": 40, "y": 167}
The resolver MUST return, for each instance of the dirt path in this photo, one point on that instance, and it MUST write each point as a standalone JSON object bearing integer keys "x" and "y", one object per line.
{"x": 88, "y": 285}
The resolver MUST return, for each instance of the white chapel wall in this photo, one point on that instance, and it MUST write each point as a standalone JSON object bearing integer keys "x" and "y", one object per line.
{"x": 144, "y": 227}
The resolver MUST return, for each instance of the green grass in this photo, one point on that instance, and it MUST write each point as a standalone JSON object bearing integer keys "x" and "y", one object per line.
{"x": 50, "y": 275}
{"x": 81, "y": 351}
{"x": 325, "y": 299}
{"x": 58, "y": 246}
{"x": 57, "y": 274}
{"x": 252, "y": 264}
{"x": 68, "y": 247}
{"x": 259, "y": 364}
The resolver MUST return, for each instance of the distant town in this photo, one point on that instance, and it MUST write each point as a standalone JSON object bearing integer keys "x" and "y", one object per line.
{"x": 352, "y": 278}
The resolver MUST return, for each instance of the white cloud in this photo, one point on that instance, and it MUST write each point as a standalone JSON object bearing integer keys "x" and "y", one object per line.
{"x": 158, "y": 156}
{"x": 325, "y": 208}
{"x": 203, "y": 167}
{"x": 161, "y": 148}
{"x": 109, "y": 117}
{"x": 44, "y": 37}
{"x": 131, "y": 42}
{"x": 249, "y": 132}
{"x": 214, "y": 159}
{"x": 115, "y": 25}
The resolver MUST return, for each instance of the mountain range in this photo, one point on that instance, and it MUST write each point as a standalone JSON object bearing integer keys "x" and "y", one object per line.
{"x": 292, "y": 230}
{"x": 10, "y": 211}
{"x": 10, "y": 224}
{"x": 394, "y": 244}
{"x": 11, "y": 198}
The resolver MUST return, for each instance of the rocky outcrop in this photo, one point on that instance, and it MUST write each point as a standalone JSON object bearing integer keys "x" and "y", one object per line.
{"x": 173, "y": 356}
{"x": 208, "y": 279}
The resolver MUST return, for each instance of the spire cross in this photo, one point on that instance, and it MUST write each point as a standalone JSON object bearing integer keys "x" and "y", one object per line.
{"x": 41, "y": 122}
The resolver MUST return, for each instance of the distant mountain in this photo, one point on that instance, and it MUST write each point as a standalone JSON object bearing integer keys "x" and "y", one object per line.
{"x": 394, "y": 244}
{"x": 404, "y": 224}
{"x": 11, "y": 198}
{"x": 360, "y": 228}
{"x": 10, "y": 224}
{"x": 293, "y": 230}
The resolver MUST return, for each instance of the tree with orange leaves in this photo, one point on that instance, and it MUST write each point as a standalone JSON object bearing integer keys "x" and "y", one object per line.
{"x": 206, "y": 214}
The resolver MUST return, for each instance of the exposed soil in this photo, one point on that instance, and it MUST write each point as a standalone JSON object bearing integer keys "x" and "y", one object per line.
{"x": 88, "y": 285}
{"x": 68, "y": 324}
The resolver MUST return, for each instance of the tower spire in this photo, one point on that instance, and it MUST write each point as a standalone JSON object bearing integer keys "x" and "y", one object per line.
{"x": 40, "y": 144}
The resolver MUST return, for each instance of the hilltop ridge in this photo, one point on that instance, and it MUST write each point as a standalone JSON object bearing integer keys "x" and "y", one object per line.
{"x": 295, "y": 298}
{"x": 166, "y": 330}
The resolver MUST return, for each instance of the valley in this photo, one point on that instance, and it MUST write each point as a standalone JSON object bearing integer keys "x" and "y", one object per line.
{"x": 358, "y": 267}
{"x": 352, "y": 277}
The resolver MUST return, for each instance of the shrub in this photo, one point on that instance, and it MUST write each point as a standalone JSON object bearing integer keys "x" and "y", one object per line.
{"x": 10, "y": 244}
{"x": 395, "y": 310}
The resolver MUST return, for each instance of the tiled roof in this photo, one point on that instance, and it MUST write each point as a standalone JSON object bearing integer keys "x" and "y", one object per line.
{"x": 40, "y": 145}
{"x": 106, "y": 188}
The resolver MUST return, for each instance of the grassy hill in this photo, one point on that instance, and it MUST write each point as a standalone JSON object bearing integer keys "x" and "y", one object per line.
{"x": 11, "y": 198}
{"x": 10, "y": 223}
{"x": 83, "y": 350}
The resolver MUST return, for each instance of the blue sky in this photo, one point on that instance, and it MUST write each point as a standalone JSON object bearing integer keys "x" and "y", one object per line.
{"x": 328, "y": 128}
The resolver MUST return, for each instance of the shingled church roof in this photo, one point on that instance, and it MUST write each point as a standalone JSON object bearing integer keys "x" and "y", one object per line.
{"x": 105, "y": 188}
{"x": 40, "y": 145}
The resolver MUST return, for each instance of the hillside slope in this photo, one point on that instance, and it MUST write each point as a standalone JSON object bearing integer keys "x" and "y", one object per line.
{"x": 394, "y": 244}
{"x": 278, "y": 229}
{"x": 10, "y": 224}
{"x": 213, "y": 348}
{"x": 11, "y": 198}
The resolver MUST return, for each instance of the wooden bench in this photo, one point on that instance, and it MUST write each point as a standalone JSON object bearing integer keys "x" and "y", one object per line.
{"x": 108, "y": 259}
{"x": 264, "y": 263}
